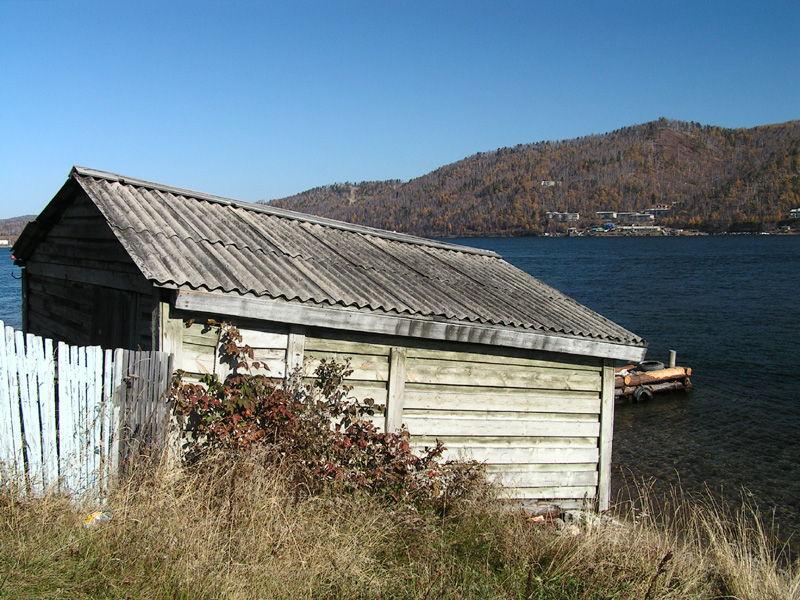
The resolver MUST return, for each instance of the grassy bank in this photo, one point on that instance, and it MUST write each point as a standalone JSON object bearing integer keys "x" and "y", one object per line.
{"x": 238, "y": 530}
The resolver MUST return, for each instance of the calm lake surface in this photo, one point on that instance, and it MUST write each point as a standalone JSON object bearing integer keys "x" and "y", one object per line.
{"x": 729, "y": 305}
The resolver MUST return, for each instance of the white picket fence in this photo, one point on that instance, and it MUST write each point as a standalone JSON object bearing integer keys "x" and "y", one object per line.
{"x": 72, "y": 417}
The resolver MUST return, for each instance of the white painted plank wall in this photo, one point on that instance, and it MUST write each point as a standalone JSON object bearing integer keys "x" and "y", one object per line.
{"x": 534, "y": 422}
{"x": 533, "y": 418}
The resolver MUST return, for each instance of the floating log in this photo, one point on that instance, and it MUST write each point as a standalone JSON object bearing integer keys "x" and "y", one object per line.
{"x": 649, "y": 377}
{"x": 666, "y": 386}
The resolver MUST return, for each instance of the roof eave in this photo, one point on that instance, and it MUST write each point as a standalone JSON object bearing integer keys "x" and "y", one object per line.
{"x": 269, "y": 309}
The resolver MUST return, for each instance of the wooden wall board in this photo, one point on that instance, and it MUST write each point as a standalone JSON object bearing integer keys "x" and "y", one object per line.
{"x": 492, "y": 415}
{"x": 482, "y": 398}
{"x": 477, "y": 427}
{"x": 542, "y": 479}
{"x": 446, "y": 350}
{"x": 514, "y": 376}
{"x": 122, "y": 281}
{"x": 532, "y": 455}
{"x": 510, "y": 441}
{"x": 496, "y": 356}
{"x": 365, "y": 368}
{"x": 550, "y": 467}
{"x": 563, "y": 496}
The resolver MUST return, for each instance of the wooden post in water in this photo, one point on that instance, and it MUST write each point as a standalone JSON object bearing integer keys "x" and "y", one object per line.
{"x": 673, "y": 358}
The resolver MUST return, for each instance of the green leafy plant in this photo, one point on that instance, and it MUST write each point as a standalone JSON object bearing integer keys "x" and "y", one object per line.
{"x": 318, "y": 430}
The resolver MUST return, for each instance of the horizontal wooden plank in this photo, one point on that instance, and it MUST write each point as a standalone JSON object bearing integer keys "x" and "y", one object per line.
{"x": 64, "y": 318}
{"x": 264, "y": 339}
{"x": 531, "y": 455}
{"x": 495, "y": 427}
{"x": 81, "y": 230}
{"x": 540, "y": 479}
{"x": 562, "y": 503}
{"x": 85, "y": 249}
{"x": 471, "y": 374}
{"x": 191, "y": 338}
{"x": 435, "y": 414}
{"x": 198, "y": 349}
{"x": 436, "y": 397}
{"x": 269, "y": 367}
{"x": 363, "y": 390}
{"x": 554, "y": 493}
{"x": 535, "y": 359}
{"x": 122, "y": 281}
{"x": 199, "y": 333}
{"x": 82, "y": 206}
{"x": 195, "y": 362}
{"x": 541, "y": 467}
{"x": 537, "y": 417}
{"x": 100, "y": 259}
{"x": 464, "y": 441}
{"x": 67, "y": 292}
{"x": 365, "y": 368}
{"x": 345, "y": 347}
{"x": 423, "y": 348}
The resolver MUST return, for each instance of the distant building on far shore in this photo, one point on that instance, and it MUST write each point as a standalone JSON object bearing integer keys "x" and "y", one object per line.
{"x": 606, "y": 215}
{"x": 794, "y": 213}
{"x": 640, "y": 229}
{"x": 3, "y": 243}
{"x": 563, "y": 217}
{"x": 631, "y": 218}
{"x": 662, "y": 210}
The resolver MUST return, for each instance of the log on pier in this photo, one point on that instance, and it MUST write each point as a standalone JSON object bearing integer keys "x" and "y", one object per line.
{"x": 649, "y": 377}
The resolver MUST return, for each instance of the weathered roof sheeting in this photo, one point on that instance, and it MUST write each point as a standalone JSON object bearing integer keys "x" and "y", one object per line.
{"x": 187, "y": 240}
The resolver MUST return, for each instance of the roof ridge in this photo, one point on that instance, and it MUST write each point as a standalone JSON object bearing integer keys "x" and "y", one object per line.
{"x": 280, "y": 212}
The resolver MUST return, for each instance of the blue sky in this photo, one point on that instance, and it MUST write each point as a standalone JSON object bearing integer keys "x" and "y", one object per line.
{"x": 260, "y": 100}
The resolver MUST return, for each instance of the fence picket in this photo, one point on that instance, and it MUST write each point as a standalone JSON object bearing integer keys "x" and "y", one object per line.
{"x": 46, "y": 383}
{"x": 96, "y": 402}
{"x": 32, "y": 450}
{"x": 43, "y": 379}
{"x": 118, "y": 415}
{"x": 10, "y": 455}
{"x": 65, "y": 416}
{"x": 106, "y": 412}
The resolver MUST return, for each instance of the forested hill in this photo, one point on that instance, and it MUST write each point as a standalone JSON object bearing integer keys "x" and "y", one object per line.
{"x": 714, "y": 179}
{"x": 11, "y": 228}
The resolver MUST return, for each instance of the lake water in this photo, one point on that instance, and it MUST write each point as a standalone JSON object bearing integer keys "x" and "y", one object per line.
{"x": 10, "y": 290}
{"x": 730, "y": 306}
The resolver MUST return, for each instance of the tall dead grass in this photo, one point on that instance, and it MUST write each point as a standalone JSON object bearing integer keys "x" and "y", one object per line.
{"x": 235, "y": 528}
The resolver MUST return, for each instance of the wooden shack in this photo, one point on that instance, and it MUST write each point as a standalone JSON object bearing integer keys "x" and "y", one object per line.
{"x": 457, "y": 343}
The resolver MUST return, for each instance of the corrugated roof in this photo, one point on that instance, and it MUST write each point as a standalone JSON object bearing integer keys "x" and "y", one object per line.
{"x": 189, "y": 240}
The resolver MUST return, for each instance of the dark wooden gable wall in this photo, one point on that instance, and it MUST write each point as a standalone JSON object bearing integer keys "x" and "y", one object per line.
{"x": 80, "y": 286}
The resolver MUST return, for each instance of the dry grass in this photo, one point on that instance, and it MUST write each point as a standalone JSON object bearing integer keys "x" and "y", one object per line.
{"x": 236, "y": 529}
